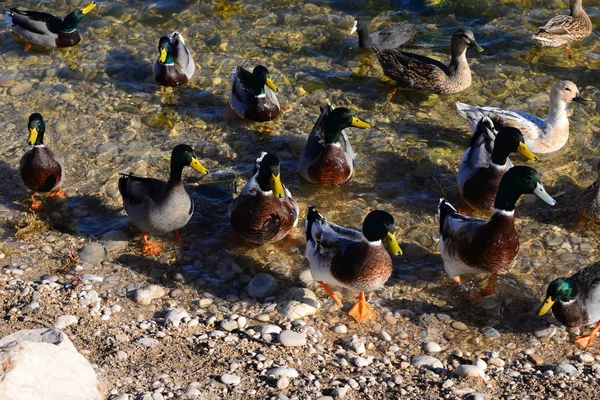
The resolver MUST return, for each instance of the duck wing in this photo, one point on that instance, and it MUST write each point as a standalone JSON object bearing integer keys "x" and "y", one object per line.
{"x": 182, "y": 55}
{"x": 241, "y": 91}
{"x": 328, "y": 239}
{"x": 37, "y": 22}
{"x": 137, "y": 190}
{"x": 392, "y": 36}
{"x": 455, "y": 227}
{"x": 479, "y": 153}
{"x": 315, "y": 143}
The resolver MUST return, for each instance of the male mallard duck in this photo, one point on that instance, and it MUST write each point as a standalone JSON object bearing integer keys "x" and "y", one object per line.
{"x": 156, "y": 206}
{"x": 541, "y": 135}
{"x": 486, "y": 161}
{"x": 412, "y": 71}
{"x": 328, "y": 158}
{"x": 387, "y": 37}
{"x": 575, "y": 301}
{"x": 264, "y": 211}
{"x": 588, "y": 203}
{"x": 174, "y": 65}
{"x": 565, "y": 29}
{"x": 472, "y": 245}
{"x": 349, "y": 258}
{"x": 47, "y": 29}
{"x": 40, "y": 169}
{"x": 252, "y": 95}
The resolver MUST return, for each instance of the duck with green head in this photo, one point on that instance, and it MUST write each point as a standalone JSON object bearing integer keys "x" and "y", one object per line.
{"x": 328, "y": 158}
{"x": 41, "y": 170}
{"x": 575, "y": 301}
{"x": 47, "y": 29}
{"x": 472, "y": 245}
{"x": 351, "y": 259}
{"x": 486, "y": 161}
{"x": 253, "y": 94}
{"x": 264, "y": 211}
{"x": 156, "y": 206}
{"x": 175, "y": 65}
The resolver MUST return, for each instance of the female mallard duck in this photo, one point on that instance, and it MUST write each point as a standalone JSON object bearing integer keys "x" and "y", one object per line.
{"x": 471, "y": 245}
{"x": 486, "y": 161}
{"x": 252, "y": 95}
{"x": 387, "y": 37}
{"x": 415, "y": 72}
{"x": 565, "y": 29}
{"x": 40, "y": 169}
{"x": 156, "y": 206}
{"x": 575, "y": 301}
{"x": 46, "y": 29}
{"x": 328, "y": 158}
{"x": 351, "y": 259}
{"x": 541, "y": 135}
{"x": 264, "y": 211}
{"x": 588, "y": 204}
{"x": 175, "y": 65}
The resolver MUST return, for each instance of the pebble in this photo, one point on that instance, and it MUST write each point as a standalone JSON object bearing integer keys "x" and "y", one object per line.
{"x": 342, "y": 329}
{"x": 282, "y": 371}
{"x": 229, "y": 325}
{"x": 65, "y": 320}
{"x": 480, "y": 363}
{"x": 20, "y": 88}
{"x": 432, "y": 347}
{"x": 298, "y": 303}
{"x": 471, "y": 371}
{"x": 566, "y": 368}
{"x": 498, "y": 362}
{"x": 93, "y": 253}
{"x": 192, "y": 391}
{"x": 268, "y": 329}
{"x": 292, "y": 339}
{"x": 423, "y": 360}
{"x": 362, "y": 361}
{"x": 459, "y": 326}
{"x": 148, "y": 342}
{"x": 145, "y": 295}
{"x": 114, "y": 241}
{"x": 230, "y": 379}
{"x": 385, "y": 336}
{"x": 205, "y": 303}
{"x": 262, "y": 285}
{"x": 490, "y": 332}
{"x": 174, "y": 316}
{"x": 545, "y": 332}
{"x": 283, "y": 383}
{"x": 585, "y": 358}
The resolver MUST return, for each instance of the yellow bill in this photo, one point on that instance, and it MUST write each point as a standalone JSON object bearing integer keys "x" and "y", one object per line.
{"x": 197, "y": 166}
{"x": 392, "y": 243}
{"x": 356, "y": 122}
{"x": 163, "y": 55}
{"x": 272, "y": 85}
{"x": 277, "y": 186}
{"x": 88, "y": 8}
{"x": 33, "y": 134}
{"x": 546, "y": 306}
{"x": 523, "y": 149}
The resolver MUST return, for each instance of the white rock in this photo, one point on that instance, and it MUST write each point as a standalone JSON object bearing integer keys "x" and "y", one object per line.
{"x": 242, "y": 322}
{"x": 262, "y": 285}
{"x": 432, "y": 347}
{"x": 362, "y": 361}
{"x": 230, "y": 379}
{"x": 566, "y": 368}
{"x": 480, "y": 363}
{"x": 358, "y": 346}
{"x": 340, "y": 329}
{"x": 498, "y": 362}
{"x": 298, "y": 303}
{"x": 44, "y": 364}
{"x": 174, "y": 316}
{"x": 385, "y": 336}
{"x": 422, "y": 360}
{"x": 585, "y": 358}
{"x": 282, "y": 371}
{"x": 268, "y": 329}
{"x": 148, "y": 342}
{"x": 283, "y": 383}
{"x": 229, "y": 325}
{"x": 65, "y": 320}
{"x": 471, "y": 371}
{"x": 146, "y": 294}
{"x": 292, "y": 339}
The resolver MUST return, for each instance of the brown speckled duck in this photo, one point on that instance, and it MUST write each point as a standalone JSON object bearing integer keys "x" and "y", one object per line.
{"x": 264, "y": 211}
{"x": 486, "y": 161}
{"x": 472, "y": 245}
{"x": 41, "y": 170}
{"x": 416, "y": 72}
{"x": 588, "y": 203}
{"x": 351, "y": 259}
{"x": 575, "y": 301}
{"x": 328, "y": 158}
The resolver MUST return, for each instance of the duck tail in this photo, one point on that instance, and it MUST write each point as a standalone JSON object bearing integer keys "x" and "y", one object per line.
{"x": 123, "y": 179}
{"x": 485, "y": 127}
{"x": 445, "y": 209}
{"x": 311, "y": 216}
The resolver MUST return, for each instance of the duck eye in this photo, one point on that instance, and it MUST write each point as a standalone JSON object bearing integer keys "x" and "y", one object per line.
{"x": 567, "y": 89}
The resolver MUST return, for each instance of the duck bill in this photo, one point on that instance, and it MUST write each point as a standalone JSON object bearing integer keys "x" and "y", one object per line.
{"x": 542, "y": 194}
{"x": 163, "y": 56}
{"x": 477, "y": 47}
{"x": 197, "y": 166}
{"x": 354, "y": 27}
{"x": 581, "y": 100}
{"x": 546, "y": 306}
{"x": 88, "y": 8}
{"x": 32, "y": 138}
{"x": 523, "y": 149}
{"x": 277, "y": 186}
{"x": 272, "y": 85}
{"x": 392, "y": 244}
{"x": 356, "y": 122}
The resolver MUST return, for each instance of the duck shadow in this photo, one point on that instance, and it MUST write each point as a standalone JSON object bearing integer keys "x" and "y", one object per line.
{"x": 12, "y": 191}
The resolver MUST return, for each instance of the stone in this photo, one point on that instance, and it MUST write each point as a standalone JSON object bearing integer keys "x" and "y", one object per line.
{"x": 342, "y": 329}
{"x": 292, "y": 339}
{"x": 282, "y": 371}
{"x": 268, "y": 329}
{"x": 148, "y": 342}
{"x": 362, "y": 361}
{"x": 230, "y": 379}
{"x": 92, "y": 253}
{"x": 423, "y": 360}
{"x": 469, "y": 371}
{"x": 585, "y": 358}
{"x": 459, "y": 326}
{"x": 65, "y": 320}
{"x": 44, "y": 364}
{"x": 261, "y": 286}
{"x": 566, "y": 368}
{"x": 20, "y": 88}
{"x": 145, "y": 295}
{"x": 229, "y": 325}
{"x": 545, "y": 332}
{"x": 480, "y": 363}
{"x": 114, "y": 241}
{"x": 432, "y": 347}
{"x": 498, "y": 362}
{"x": 174, "y": 316}
{"x": 298, "y": 303}
{"x": 490, "y": 332}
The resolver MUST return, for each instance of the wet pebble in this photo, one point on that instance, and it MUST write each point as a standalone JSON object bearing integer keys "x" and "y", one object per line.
{"x": 432, "y": 347}
{"x": 459, "y": 326}
{"x": 20, "y": 88}
{"x": 566, "y": 368}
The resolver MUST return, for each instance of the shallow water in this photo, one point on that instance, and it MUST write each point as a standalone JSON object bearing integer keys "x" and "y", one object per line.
{"x": 105, "y": 114}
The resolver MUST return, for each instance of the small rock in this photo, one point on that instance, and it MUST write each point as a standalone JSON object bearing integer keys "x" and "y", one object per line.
{"x": 459, "y": 326}
{"x": 432, "y": 347}
{"x": 148, "y": 342}
{"x": 535, "y": 359}
{"x": 230, "y": 379}
{"x": 229, "y": 325}
{"x": 498, "y": 362}
{"x": 174, "y": 316}
{"x": 262, "y": 285}
{"x": 490, "y": 332}
{"x": 585, "y": 358}
{"x": 282, "y": 371}
{"x": 65, "y": 320}
{"x": 20, "y": 89}
{"x": 268, "y": 329}
{"x": 145, "y": 295}
{"x": 423, "y": 360}
{"x": 92, "y": 253}
{"x": 545, "y": 332}
{"x": 362, "y": 361}
{"x": 470, "y": 371}
{"x": 481, "y": 364}
{"x": 114, "y": 241}
{"x": 283, "y": 383}
{"x": 298, "y": 303}
{"x": 342, "y": 329}
{"x": 566, "y": 368}
{"x": 292, "y": 339}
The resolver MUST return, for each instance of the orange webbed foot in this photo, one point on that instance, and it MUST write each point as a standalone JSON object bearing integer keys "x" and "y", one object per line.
{"x": 150, "y": 248}
{"x": 58, "y": 194}
{"x": 587, "y": 340}
{"x": 35, "y": 205}
{"x": 27, "y": 46}
{"x": 391, "y": 94}
{"x": 490, "y": 288}
{"x": 361, "y": 311}
{"x": 330, "y": 293}
{"x": 570, "y": 51}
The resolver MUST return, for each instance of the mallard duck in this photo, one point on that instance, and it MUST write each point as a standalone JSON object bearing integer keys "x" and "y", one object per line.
{"x": 41, "y": 170}
{"x": 264, "y": 211}
{"x": 252, "y": 95}
{"x": 541, "y": 135}
{"x": 565, "y": 29}
{"x": 588, "y": 203}
{"x": 471, "y": 245}
{"x": 156, "y": 206}
{"x": 387, "y": 37}
{"x": 350, "y": 258}
{"x": 412, "y": 71}
{"x": 174, "y": 65}
{"x": 486, "y": 161}
{"x": 575, "y": 301}
{"x": 328, "y": 158}
{"x": 46, "y": 29}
